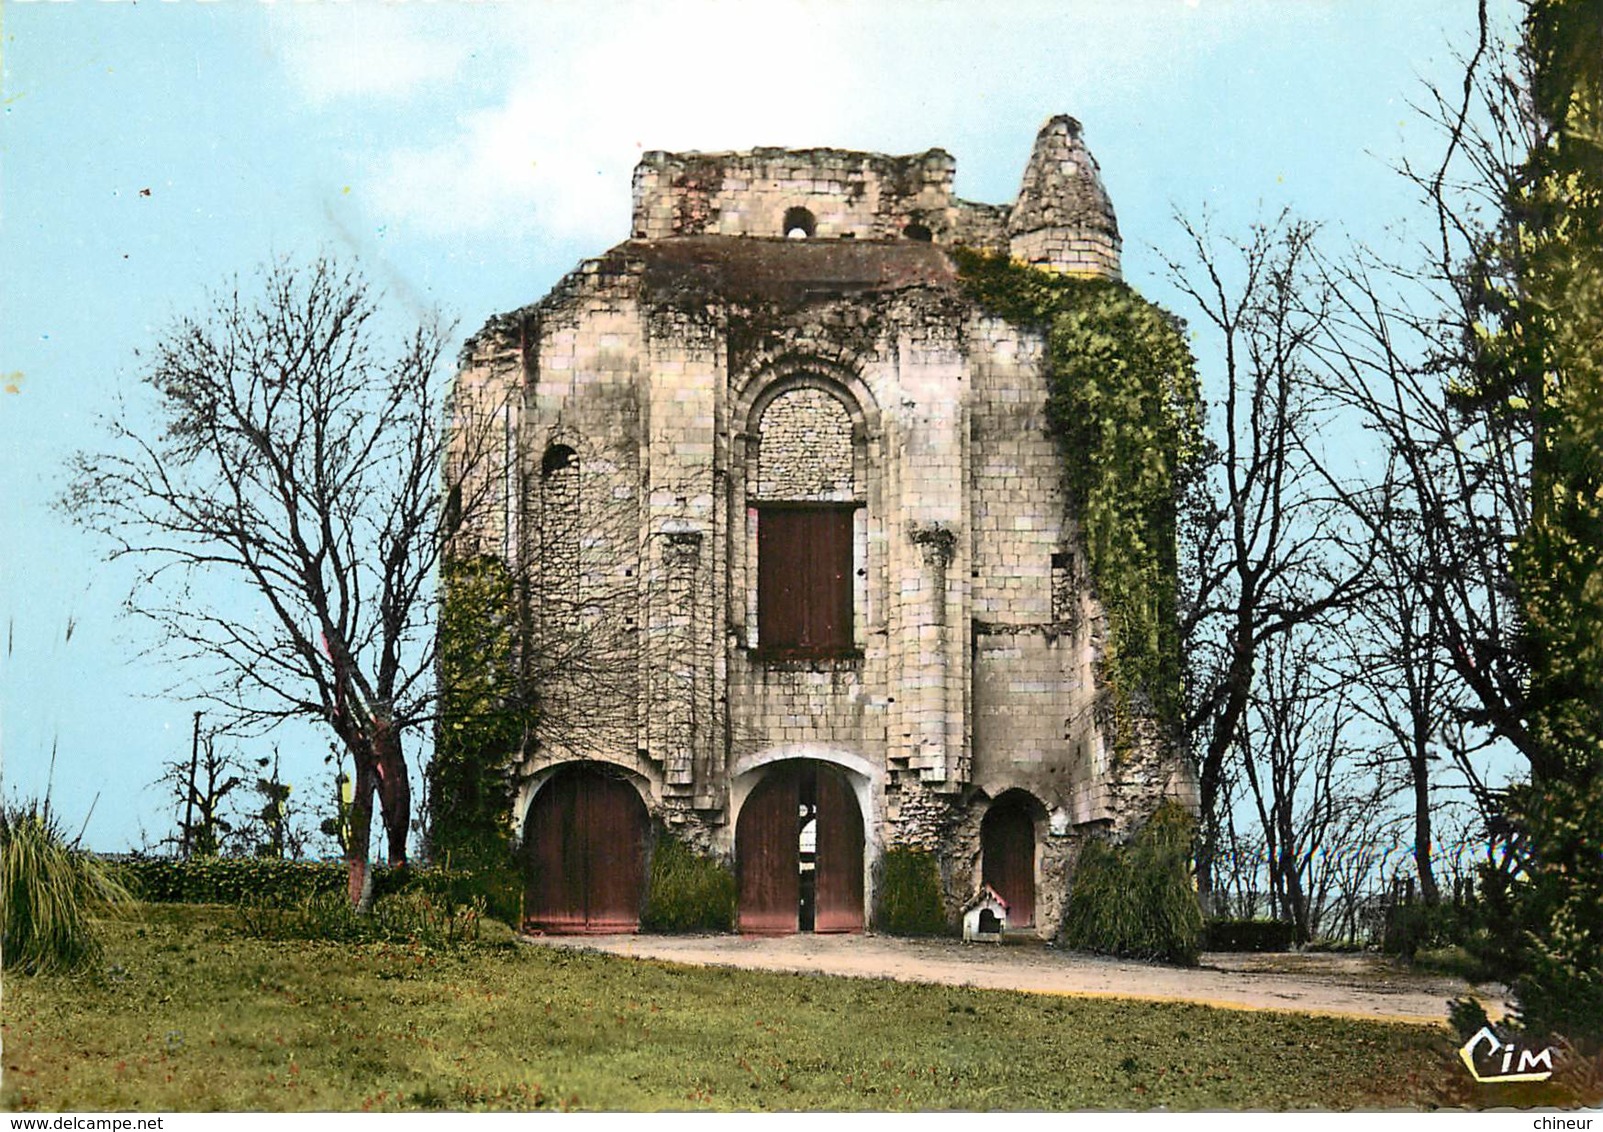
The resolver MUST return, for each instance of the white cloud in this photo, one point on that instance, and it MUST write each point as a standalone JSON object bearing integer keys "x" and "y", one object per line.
{"x": 332, "y": 51}
{"x": 587, "y": 89}
{"x": 555, "y": 153}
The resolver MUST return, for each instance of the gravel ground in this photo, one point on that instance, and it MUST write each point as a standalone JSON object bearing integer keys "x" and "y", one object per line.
{"x": 1349, "y": 985}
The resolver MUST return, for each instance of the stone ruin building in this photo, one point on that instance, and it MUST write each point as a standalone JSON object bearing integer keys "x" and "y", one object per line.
{"x": 785, "y": 505}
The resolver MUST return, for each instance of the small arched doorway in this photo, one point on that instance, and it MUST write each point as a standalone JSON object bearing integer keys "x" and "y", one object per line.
{"x": 799, "y": 852}
{"x": 1007, "y": 852}
{"x": 585, "y": 841}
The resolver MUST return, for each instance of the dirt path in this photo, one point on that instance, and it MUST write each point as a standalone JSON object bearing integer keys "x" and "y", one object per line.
{"x": 1358, "y": 986}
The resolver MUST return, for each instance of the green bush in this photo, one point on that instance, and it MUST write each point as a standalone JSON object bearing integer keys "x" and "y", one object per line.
{"x": 486, "y": 717}
{"x": 1137, "y": 899}
{"x": 51, "y": 892}
{"x": 497, "y": 885}
{"x": 1452, "y": 959}
{"x": 1558, "y": 907}
{"x": 688, "y": 892}
{"x": 1248, "y": 935}
{"x": 910, "y": 893}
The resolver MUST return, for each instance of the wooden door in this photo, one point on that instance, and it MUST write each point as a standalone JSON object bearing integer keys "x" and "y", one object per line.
{"x": 1007, "y": 844}
{"x": 840, "y": 855}
{"x": 767, "y": 854}
{"x": 586, "y": 851}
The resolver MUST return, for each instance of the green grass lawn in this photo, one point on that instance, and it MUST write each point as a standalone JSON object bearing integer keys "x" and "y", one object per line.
{"x": 185, "y": 1012}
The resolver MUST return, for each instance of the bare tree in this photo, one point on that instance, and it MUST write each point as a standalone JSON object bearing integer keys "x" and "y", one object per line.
{"x": 1266, "y": 548}
{"x": 1457, "y": 497}
{"x": 1306, "y": 783}
{"x": 1410, "y": 691}
{"x": 296, "y": 461}
{"x": 199, "y": 789}
{"x": 1405, "y": 351}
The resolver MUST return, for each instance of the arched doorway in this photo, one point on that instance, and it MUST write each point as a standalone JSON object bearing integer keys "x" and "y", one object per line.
{"x": 1007, "y": 850}
{"x": 585, "y": 840}
{"x": 799, "y": 852}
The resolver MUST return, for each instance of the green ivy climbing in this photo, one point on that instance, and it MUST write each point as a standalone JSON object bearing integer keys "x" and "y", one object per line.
{"x": 484, "y": 718}
{"x": 1124, "y": 399}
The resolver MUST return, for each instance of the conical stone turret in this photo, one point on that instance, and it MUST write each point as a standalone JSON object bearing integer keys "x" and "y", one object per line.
{"x": 1063, "y": 218}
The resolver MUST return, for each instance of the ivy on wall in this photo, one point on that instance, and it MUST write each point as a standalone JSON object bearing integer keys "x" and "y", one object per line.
{"x": 1123, "y": 397}
{"x": 484, "y": 718}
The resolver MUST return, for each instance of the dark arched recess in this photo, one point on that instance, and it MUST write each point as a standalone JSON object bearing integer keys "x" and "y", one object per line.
{"x": 1007, "y": 847}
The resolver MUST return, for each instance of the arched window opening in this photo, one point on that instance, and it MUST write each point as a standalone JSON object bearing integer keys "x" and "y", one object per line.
{"x": 799, "y": 224}
{"x": 806, "y": 503}
{"x": 557, "y": 570}
{"x": 557, "y": 457}
{"x": 919, "y": 232}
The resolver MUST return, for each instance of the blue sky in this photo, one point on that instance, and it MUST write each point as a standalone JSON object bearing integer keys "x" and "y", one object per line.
{"x": 467, "y": 154}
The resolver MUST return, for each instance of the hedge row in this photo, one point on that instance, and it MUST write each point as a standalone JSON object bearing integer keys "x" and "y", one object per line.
{"x": 280, "y": 883}
{"x": 1248, "y": 935}
{"x": 230, "y": 880}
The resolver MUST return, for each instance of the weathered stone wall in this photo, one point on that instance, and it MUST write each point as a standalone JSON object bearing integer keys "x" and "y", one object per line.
{"x": 863, "y": 196}
{"x": 805, "y": 452}
{"x": 663, "y": 391}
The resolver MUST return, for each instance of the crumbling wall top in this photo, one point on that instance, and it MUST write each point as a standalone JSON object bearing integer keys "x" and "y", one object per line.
{"x": 1061, "y": 219}
{"x": 827, "y": 193}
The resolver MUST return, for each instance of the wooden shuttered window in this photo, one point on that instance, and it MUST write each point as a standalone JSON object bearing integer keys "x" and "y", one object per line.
{"x": 804, "y": 579}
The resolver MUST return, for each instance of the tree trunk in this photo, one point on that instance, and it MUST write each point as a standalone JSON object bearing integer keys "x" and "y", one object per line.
{"x": 1429, "y": 891}
{"x": 381, "y": 772}
{"x": 394, "y": 789}
{"x": 1210, "y": 775}
{"x": 361, "y": 830}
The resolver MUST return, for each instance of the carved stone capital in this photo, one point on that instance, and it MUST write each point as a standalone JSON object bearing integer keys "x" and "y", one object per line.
{"x": 681, "y": 547}
{"x": 937, "y": 543}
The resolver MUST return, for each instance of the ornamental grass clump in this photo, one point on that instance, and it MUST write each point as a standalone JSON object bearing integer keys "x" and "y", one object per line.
{"x": 1137, "y": 900}
{"x": 910, "y": 893}
{"x": 689, "y": 892}
{"x": 52, "y": 891}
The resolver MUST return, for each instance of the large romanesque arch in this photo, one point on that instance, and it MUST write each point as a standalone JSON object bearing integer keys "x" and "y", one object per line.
{"x": 799, "y": 850}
